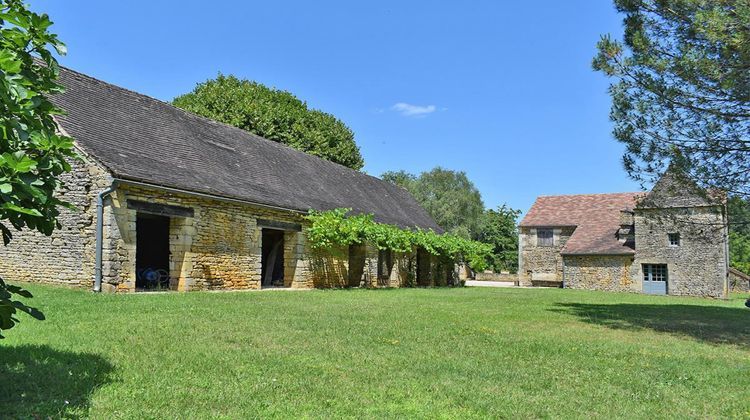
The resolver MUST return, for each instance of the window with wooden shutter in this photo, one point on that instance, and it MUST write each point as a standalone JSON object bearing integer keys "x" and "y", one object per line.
{"x": 545, "y": 237}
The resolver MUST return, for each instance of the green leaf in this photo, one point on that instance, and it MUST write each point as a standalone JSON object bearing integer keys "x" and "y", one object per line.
{"x": 22, "y": 210}
{"x": 6, "y": 233}
{"x": 61, "y": 48}
{"x": 9, "y": 62}
{"x": 28, "y": 309}
{"x": 6, "y": 188}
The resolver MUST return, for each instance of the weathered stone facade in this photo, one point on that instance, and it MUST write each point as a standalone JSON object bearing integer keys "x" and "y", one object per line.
{"x": 541, "y": 264}
{"x": 600, "y": 272}
{"x": 28, "y": 256}
{"x": 672, "y": 240}
{"x": 698, "y": 266}
{"x": 218, "y": 247}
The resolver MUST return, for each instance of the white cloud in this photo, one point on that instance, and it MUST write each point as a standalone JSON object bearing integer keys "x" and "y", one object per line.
{"x": 409, "y": 110}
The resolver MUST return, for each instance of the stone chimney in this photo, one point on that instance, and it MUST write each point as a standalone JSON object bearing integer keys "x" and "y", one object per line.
{"x": 626, "y": 233}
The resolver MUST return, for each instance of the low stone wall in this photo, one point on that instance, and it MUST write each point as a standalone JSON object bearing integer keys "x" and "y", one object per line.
{"x": 507, "y": 277}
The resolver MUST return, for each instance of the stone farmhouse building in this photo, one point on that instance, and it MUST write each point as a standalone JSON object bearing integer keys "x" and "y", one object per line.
{"x": 671, "y": 240}
{"x": 170, "y": 200}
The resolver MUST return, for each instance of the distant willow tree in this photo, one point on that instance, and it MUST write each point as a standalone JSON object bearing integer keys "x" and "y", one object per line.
{"x": 682, "y": 90}
{"x": 274, "y": 114}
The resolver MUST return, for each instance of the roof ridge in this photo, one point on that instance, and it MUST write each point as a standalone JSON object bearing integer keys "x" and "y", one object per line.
{"x": 212, "y": 121}
{"x": 592, "y": 194}
{"x": 339, "y": 186}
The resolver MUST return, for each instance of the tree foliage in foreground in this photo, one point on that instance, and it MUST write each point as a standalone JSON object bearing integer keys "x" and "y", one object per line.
{"x": 682, "y": 90}
{"x": 32, "y": 153}
{"x": 338, "y": 227}
{"x": 275, "y": 115}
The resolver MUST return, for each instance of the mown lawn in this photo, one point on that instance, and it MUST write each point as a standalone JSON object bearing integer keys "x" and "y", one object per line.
{"x": 452, "y": 353}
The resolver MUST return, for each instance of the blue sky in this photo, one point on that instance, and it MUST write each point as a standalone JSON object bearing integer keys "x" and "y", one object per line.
{"x": 502, "y": 90}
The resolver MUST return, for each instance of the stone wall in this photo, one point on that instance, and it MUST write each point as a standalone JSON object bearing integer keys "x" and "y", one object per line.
{"x": 698, "y": 266}
{"x": 600, "y": 272}
{"x": 541, "y": 263}
{"x": 218, "y": 247}
{"x": 67, "y": 256}
{"x": 357, "y": 266}
{"x": 331, "y": 268}
{"x": 492, "y": 276}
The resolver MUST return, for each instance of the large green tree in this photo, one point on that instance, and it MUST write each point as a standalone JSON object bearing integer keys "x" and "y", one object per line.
{"x": 448, "y": 196}
{"x": 682, "y": 89}
{"x": 739, "y": 233}
{"x": 456, "y": 205}
{"x": 32, "y": 153}
{"x": 498, "y": 228}
{"x": 274, "y": 114}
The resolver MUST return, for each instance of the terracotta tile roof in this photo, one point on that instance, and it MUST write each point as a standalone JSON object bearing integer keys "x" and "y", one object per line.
{"x": 596, "y": 217}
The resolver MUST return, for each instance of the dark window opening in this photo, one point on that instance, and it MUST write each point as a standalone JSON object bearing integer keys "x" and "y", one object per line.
{"x": 272, "y": 258}
{"x": 545, "y": 237}
{"x": 674, "y": 239}
{"x": 152, "y": 252}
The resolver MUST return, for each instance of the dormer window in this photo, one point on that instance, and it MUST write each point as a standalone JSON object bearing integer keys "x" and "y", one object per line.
{"x": 674, "y": 239}
{"x": 545, "y": 237}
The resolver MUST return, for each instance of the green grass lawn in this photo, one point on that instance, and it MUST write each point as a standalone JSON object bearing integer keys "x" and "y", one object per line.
{"x": 454, "y": 353}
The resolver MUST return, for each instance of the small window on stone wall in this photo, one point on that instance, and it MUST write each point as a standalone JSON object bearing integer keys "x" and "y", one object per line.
{"x": 674, "y": 239}
{"x": 545, "y": 237}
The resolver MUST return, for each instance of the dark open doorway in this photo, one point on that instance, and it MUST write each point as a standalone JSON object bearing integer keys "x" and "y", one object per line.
{"x": 357, "y": 257}
{"x": 423, "y": 268}
{"x": 272, "y": 258}
{"x": 152, "y": 252}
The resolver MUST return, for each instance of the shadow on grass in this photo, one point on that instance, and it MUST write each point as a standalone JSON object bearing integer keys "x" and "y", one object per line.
{"x": 41, "y": 382}
{"x": 712, "y": 324}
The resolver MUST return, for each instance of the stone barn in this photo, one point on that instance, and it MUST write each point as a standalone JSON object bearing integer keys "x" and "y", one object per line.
{"x": 168, "y": 200}
{"x": 671, "y": 240}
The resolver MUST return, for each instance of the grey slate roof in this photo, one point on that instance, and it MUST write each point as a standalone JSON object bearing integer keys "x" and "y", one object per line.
{"x": 143, "y": 139}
